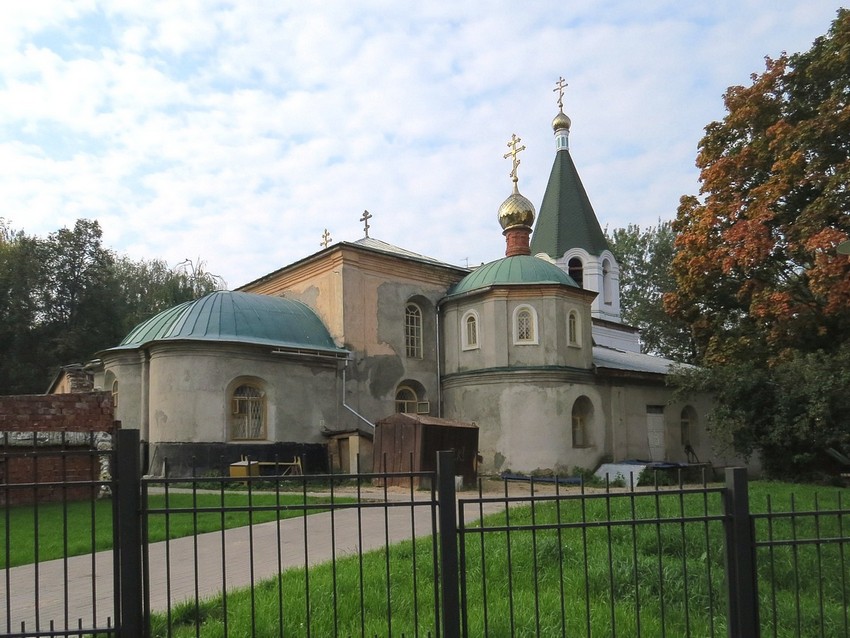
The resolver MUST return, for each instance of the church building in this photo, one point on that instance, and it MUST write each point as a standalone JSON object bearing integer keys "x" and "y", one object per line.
{"x": 530, "y": 348}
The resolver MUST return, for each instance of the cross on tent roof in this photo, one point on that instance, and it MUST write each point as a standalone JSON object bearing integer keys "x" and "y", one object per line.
{"x": 559, "y": 89}
{"x": 326, "y": 239}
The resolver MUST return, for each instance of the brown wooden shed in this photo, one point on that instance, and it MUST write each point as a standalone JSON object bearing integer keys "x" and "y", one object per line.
{"x": 409, "y": 443}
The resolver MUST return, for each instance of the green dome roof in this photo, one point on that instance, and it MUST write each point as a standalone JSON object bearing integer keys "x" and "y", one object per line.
{"x": 513, "y": 271}
{"x": 239, "y": 317}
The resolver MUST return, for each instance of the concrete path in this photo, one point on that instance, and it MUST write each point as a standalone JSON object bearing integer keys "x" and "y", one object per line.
{"x": 197, "y": 566}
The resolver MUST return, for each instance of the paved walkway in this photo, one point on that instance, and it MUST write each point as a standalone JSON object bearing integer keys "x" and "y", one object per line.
{"x": 183, "y": 568}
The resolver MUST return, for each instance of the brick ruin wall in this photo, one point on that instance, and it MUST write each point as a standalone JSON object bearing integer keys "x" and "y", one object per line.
{"x": 48, "y": 441}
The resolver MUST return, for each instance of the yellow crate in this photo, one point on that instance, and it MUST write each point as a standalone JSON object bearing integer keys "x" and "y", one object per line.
{"x": 245, "y": 468}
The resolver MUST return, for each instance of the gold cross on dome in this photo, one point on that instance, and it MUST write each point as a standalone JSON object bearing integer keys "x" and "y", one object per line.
{"x": 514, "y": 152}
{"x": 559, "y": 89}
{"x": 326, "y": 239}
{"x": 365, "y": 219}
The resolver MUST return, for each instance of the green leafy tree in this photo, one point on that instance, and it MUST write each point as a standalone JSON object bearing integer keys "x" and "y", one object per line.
{"x": 757, "y": 274}
{"x": 756, "y": 269}
{"x": 65, "y": 297}
{"x": 147, "y": 287}
{"x": 21, "y": 276}
{"x": 789, "y": 414}
{"x": 78, "y": 310}
{"x": 644, "y": 256}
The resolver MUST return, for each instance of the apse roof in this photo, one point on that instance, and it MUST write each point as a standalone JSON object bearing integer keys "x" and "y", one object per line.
{"x": 238, "y": 317}
{"x": 516, "y": 270}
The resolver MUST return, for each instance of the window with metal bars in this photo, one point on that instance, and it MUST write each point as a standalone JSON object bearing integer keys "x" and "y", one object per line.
{"x": 247, "y": 413}
{"x": 525, "y": 325}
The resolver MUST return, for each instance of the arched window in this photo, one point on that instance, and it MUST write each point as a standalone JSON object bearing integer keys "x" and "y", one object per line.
{"x": 525, "y": 325}
{"x": 247, "y": 413}
{"x": 607, "y": 293}
{"x": 469, "y": 331}
{"x": 406, "y": 399}
{"x": 573, "y": 329}
{"x": 576, "y": 270}
{"x": 582, "y": 421}
{"x": 413, "y": 331}
{"x": 115, "y": 394}
{"x": 687, "y": 424}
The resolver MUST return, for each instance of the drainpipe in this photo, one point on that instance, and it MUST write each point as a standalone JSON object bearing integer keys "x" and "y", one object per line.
{"x": 439, "y": 369}
{"x": 348, "y": 407}
{"x": 144, "y": 417}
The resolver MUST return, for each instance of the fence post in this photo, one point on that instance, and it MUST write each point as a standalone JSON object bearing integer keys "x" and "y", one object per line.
{"x": 742, "y": 585}
{"x": 129, "y": 550}
{"x": 447, "y": 501}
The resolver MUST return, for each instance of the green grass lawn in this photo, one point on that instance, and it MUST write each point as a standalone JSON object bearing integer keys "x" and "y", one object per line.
{"x": 75, "y": 528}
{"x": 565, "y": 580}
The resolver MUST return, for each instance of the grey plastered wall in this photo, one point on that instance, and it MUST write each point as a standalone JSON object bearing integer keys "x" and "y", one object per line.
{"x": 189, "y": 400}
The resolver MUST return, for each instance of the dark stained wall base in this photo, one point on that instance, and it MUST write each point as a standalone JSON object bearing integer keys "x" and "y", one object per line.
{"x": 214, "y": 459}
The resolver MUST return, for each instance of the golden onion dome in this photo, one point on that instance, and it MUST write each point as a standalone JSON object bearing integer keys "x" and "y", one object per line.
{"x": 561, "y": 121}
{"x": 516, "y": 210}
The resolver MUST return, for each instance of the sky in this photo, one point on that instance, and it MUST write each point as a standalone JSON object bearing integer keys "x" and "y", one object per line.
{"x": 235, "y": 133}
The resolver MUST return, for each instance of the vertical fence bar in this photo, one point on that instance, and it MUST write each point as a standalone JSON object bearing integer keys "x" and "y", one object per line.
{"x": 128, "y": 474}
{"x": 447, "y": 497}
{"x": 742, "y": 590}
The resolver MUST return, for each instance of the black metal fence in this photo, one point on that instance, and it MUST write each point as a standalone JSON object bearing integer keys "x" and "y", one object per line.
{"x": 345, "y": 555}
{"x": 53, "y": 521}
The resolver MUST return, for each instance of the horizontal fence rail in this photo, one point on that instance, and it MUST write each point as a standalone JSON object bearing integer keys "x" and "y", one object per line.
{"x": 803, "y": 567}
{"x": 399, "y": 554}
{"x": 594, "y": 563}
{"x": 330, "y": 555}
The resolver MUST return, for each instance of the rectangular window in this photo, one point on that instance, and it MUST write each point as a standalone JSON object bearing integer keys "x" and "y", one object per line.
{"x": 413, "y": 331}
{"x": 247, "y": 414}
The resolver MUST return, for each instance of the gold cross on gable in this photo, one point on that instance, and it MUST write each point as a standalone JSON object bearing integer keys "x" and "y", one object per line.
{"x": 365, "y": 219}
{"x": 514, "y": 152}
{"x": 326, "y": 239}
{"x": 559, "y": 88}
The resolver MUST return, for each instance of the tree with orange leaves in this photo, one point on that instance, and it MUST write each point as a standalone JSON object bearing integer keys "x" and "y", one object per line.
{"x": 758, "y": 277}
{"x": 756, "y": 266}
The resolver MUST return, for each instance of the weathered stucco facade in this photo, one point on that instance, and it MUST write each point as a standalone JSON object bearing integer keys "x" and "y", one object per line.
{"x": 529, "y": 348}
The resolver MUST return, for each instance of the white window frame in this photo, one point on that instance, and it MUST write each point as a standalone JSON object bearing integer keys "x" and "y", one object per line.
{"x": 574, "y": 328}
{"x": 408, "y": 405}
{"x": 466, "y": 342}
{"x": 413, "y": 331}
{"x": 534, "y": 338}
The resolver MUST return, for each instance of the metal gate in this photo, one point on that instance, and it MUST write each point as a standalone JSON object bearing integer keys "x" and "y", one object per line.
{"x": 55, "y": 518}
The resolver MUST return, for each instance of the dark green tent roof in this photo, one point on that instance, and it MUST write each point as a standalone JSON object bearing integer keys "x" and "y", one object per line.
{"x": 512, "y": 271}
{"x": 239, "y": 317}
{"x": 566, "y": 219}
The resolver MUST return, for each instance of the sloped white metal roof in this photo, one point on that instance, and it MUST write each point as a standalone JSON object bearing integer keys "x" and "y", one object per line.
{"x": 605, "y": 357}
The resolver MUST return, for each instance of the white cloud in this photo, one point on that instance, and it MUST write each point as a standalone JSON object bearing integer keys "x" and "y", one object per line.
{"x": 237, "y": 132}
